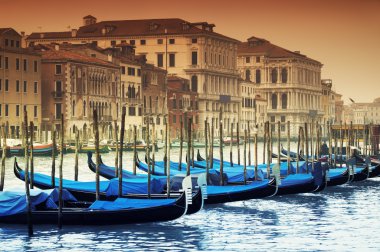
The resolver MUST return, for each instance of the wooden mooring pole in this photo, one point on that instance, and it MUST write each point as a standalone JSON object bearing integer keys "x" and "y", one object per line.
{"x": 60, "y": 202}
{"x": 27, "y": 190}
{"x": 31, "y": 156}
{"x": 120, "y": 170}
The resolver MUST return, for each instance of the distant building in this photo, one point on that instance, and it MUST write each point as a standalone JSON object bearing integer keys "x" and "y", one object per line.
{"x": 182, "y": 105}
{"x": 328, "y": 102}
{"x": 189, "y": 50}
{"x": 338, "y": 107}
{"x": 366, "y": 112}
{"x": 74, "y": 85}
{"x": 20, "y": 83}
{"x": 289, "y": 81}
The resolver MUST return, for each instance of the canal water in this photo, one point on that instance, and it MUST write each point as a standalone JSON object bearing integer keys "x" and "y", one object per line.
{"x": 342, "y": 218}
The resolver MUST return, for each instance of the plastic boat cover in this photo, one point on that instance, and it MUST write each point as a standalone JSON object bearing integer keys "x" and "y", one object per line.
{"x": 110, "y": 187}
{"x": 126, "y": 203}
{"x": 14, "y": 202}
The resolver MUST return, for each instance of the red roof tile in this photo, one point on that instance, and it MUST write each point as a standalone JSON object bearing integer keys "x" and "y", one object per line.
{"x": 65, "y": 55}
{"x": 143, "y": 27}
{"x": 264, "y": 47}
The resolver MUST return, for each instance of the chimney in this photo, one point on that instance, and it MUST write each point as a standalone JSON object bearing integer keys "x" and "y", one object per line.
{"x": 298, "y": 52}
{"x": 89, "y": 20}
{"x": 74, "y": 32}
{"x": 22, "y": 34}
{"x": 42, "y": 35}
{"x": 56, "y": 47}
{"x": 104, "y": 31}
{"x": 109, "y": 57}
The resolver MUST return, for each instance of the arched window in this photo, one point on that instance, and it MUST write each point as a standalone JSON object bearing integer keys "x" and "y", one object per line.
{"x": 194, "y": 83}
{"x": 284, "y": 101}
{"x": 247, "y": 75}
{"x": 274, "y": 101}
{"x": 274, "y": 75}
{"x": 284, "y": 75}
{"x": 258, "y": 76}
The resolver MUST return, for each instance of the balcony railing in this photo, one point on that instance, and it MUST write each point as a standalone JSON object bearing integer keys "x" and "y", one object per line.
{"x": 57, "y": 94}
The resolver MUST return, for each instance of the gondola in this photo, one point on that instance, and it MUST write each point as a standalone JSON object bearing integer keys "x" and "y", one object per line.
{"x": 119, "y": 211}
{"x": 290, "y": 183}
{"x": 38, "y": 150}
{"x": 374, "y": 164}
{"x": 236, "y": 192}
{"x": 176, "y": 183}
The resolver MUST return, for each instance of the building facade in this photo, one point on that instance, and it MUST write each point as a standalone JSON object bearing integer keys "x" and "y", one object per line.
{"x": 328, "y": 102}
{"x": 74, "y": 85}
{"x": 189, "y": 50}
{"x": 289, "y": 81}
{"x": 182, "y": 104}
{"x": 20, "y": 83}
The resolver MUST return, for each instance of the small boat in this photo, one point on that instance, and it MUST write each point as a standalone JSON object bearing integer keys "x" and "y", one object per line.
{"x": 7, "y": 152}
{"x": 38, "y": 150}
{"x": 140, "y": 146}
{"x": 108, "y": 172}
{"x": 227, "y": 192}
{"x": 290, "y": 183}
{"x": 373, "y": 163}
{"x": 13, "y": 207}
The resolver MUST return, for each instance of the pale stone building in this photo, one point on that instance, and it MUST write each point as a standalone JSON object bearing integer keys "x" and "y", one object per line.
{"x": 74, "y": 85}
{"x": 189, "y": 50}
{"x": 328, "y": 102}
{"x": 366, "y": 112}
{"x": 20, "y": 83}
{"x": 289, "y": 81}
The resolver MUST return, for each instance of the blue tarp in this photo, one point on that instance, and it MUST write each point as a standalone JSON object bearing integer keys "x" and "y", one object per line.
{"x": 160, "y": 170}
{"x": 126, "y": 203}
{"x": 296, "y": 179}
{"x": 110, "y": 187}
{"x": 215, "y": 190}
{"x": 14, "y": 202}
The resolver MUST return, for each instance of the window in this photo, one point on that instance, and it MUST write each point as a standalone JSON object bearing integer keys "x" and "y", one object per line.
{"x": 35, "y": 66}
{"x": 12, "y": 43}
{"x": 17, "y": 86}
{"x": 6, "y": 63}
{"x": 73, "y": 109}
{"x": 132, "y": 111}
{"x": 58, "y": 110}
{"x": 25, "y": 86}
{"x": 247, "y": 75}
{"x": 205, "y": 57}
{"x": 58, "y": 89}
{"x": 284, "y": 75}
{"x": 274, "y": 101}
{"x": 284, "y": 101}
{"x": 1, "y": 61}
{"x": 132, "y": 42}
{"x": 35, "y": 111}
{"x": 172, "y": 41}
{"x": 17, "y": 43}
{"x": 17, "y": 110}
{"x": 171, "y": 60}
{"x": 247, "y": 59}
{"x": 35, "y": 87}
{"x": 113, "y": 43}
{"x": 143, "y": 42}
{"x": 194, "y": 83}
{"x": 194, "y": 40}
{"x": 160, "y": 41}
{"x": 123, "y": 70}
{"x": 138, "y": 72}
{"x": 25, "y": 65}
{"x": 131, "y": 71}
{"x": 160, "y": 60}
{"x": 174, "y": 119}
{"x": 1, "y": 84}
{"x": 257, "y": 59}
{"x": 274, "y": 75}
{"x": 174, "y": 103}
{"x": 58, "y": 69}
{"x": 194, "y": 58}
{"x": 6, "y": 88}
{"x": 84, "y": 108}
{"x": 17, "y": 64}
{"x": 258, "y": 76}
{"x": 6, "y": 42}
{"x": 6, "y": 110}
{"x": 1, "y": 110}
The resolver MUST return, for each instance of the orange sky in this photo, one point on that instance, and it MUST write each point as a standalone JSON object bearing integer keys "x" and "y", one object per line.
{"x": 342, "y": 34}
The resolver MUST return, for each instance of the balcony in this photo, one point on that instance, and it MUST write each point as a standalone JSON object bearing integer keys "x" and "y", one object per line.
{"x": 106, "y": 118}
{"x": 57, "y": 94}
